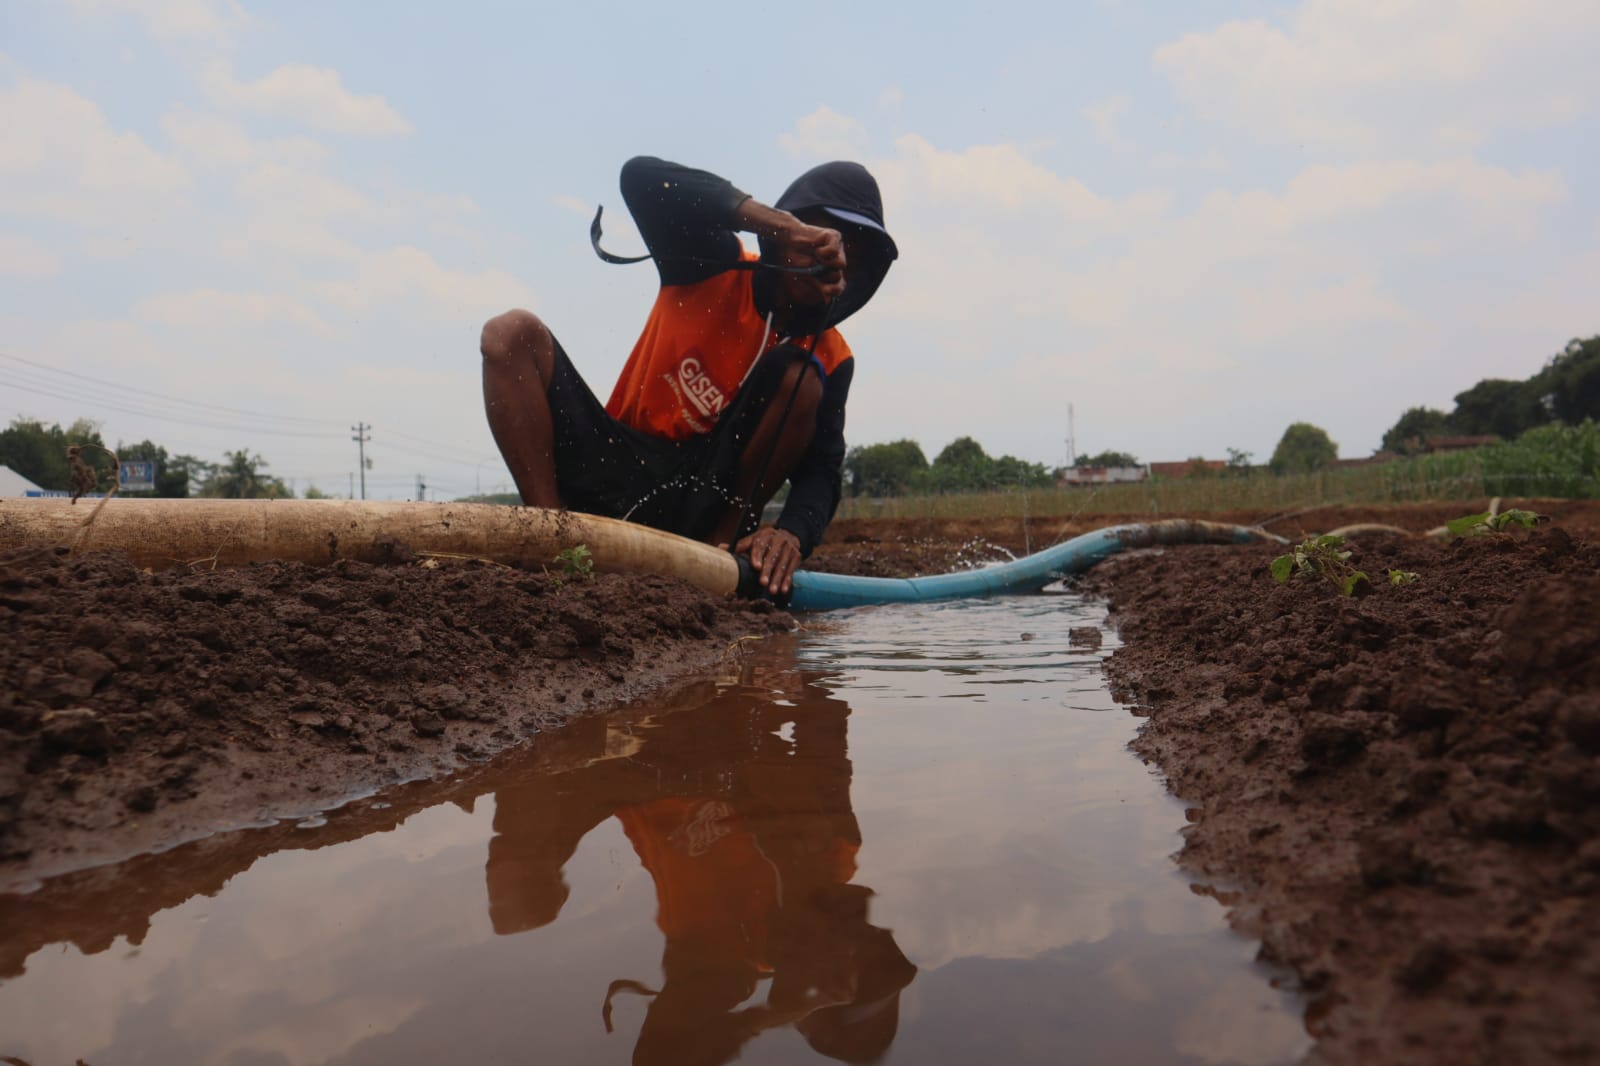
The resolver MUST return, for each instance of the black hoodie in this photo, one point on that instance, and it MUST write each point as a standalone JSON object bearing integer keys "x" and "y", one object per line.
{"x": 688, "y": 220}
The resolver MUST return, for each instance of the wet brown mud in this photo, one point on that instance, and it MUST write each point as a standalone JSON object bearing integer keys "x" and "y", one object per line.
{"x": 917, "y": 837}
{"x": 910, "y": 547}
{"x": 1398, "y": 792}
{"x": 139, "y": 709}
{"x": 1393, "y": 793}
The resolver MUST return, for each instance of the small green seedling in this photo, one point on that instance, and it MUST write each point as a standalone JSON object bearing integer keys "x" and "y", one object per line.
{"x": 575, "y": 563}
{"x": 1401, "y": 577}
{"x": 1322, "y": 557}
{"x": 1474, "y": 525}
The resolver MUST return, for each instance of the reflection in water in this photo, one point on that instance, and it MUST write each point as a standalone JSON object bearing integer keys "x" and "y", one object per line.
{"x": 688, "y": 883}
{"x": 746, "y": 829}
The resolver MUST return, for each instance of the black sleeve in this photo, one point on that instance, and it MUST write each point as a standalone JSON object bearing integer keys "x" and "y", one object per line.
{"x": 815, "y": 483}
{"x": 683, "y": 215}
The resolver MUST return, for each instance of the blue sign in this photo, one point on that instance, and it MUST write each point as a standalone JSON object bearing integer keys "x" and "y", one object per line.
{"x": 137, "y": 475}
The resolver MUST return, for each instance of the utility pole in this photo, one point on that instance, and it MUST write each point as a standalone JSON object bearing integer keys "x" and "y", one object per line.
{"x": 422, "y": 488}
{"x": 361, "y": 438}
{"x": 1072, "y": 443}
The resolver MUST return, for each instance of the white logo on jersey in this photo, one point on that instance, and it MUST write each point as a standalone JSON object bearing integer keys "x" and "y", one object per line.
{"x": 700, "y": 389}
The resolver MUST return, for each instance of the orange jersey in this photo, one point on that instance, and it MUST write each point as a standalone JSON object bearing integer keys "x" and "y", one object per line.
{"x": 699, "y": 342}
{"x": 715, "y": 891}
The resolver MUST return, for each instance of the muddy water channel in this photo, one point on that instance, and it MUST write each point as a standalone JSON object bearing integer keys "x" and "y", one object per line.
{"x": 908, "y": 833}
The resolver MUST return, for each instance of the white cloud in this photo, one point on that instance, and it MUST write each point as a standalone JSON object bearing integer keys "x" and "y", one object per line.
{"x": 1212, "y": 161}
{"x": 214, "y": 308}
{"x": 175, "y": 20}
{"x": 216, "y": 141}
{"x": 891, "y": 99}
{"x": 573, "y": 205}
{"x": 24, "y": 257}
{"x": 61, "y": 158}
{"x": 999, "y": 177}
{"x": 1166, "y": 321}
{"x": 315, "y": 96}
{"x": 282, "y": 191}
{"x": 411, "y": 276}
{"x": 1366, "y": 74}
{"x": 1106, "y": 115}
{"x": 825, "y": 134}
{"x": 1479, "y": 197}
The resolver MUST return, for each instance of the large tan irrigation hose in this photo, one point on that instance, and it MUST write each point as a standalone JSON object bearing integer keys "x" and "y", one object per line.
{"x": 160, "y": 533}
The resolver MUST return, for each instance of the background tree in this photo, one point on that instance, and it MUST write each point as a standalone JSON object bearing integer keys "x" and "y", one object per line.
{"x": 1239, "y": 462}
{"x": 197, "y": 472}
{"x": 314, "y": 493}
{"x": 39, "y": 452}
{"x": 1304, "y": 448}
{"x": 885, "y": 469}
{"x": 1109, "y": 458}
{"x": 962, "y": 466}
{"x": 1009, "y": 471}
{"x": 241, "y": 477}
{"x": 1570, "y": 382}
{"x": 1410, "y": 435}
{"x": 1496, "y": 405}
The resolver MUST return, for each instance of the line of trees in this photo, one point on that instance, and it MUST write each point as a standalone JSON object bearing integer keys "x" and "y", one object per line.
{"x": 1565, "y": 390}
{"x": 900, "y": 468}
{"x": 39, "y": 453}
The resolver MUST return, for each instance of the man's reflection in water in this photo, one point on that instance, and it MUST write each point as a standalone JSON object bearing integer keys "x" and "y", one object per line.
{"x": 740, "y": 810}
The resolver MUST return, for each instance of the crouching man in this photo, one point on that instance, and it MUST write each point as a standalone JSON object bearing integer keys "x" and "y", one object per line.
{"x": 738, "y": 382}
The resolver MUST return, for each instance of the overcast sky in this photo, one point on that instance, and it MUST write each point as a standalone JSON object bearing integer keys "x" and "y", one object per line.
{"x": 252, "y": 225}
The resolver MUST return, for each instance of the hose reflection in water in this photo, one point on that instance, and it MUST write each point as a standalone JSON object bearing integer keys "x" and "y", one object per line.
{"x": 740, "y": 811}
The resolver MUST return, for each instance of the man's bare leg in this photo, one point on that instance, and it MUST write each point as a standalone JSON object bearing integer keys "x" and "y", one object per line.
{"x": 518, "y": 363}
{"x": 792, "y": 435}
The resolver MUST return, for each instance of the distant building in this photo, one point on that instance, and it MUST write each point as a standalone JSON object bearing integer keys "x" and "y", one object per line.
{"x": 1187, "y": 468}
{"x": 1099, "y": 475}
{"x": 1458, "y": 444}
{"x": 14, "y": 484}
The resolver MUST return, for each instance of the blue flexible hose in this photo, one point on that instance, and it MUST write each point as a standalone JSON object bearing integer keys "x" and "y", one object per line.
{"x": 826, "y": 592}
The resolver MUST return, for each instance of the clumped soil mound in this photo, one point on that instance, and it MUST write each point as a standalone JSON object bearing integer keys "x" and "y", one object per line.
{"x": 139, "y": 709}
{"x": 1398, "y": 792}
{"x": 912, "y": 547}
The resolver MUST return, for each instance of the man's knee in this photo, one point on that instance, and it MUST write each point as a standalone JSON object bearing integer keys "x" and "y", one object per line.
{"x": 512, "y": 334}
{"x": 802, "y": 379}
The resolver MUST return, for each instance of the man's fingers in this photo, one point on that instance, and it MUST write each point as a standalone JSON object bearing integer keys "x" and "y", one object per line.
{"x": 774, "y": 554}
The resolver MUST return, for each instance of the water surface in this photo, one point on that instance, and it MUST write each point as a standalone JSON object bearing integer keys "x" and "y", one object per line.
{"x": 914, "y": 833}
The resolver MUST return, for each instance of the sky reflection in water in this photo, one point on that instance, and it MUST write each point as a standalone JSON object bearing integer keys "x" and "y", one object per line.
{"x": 927, "y": 842}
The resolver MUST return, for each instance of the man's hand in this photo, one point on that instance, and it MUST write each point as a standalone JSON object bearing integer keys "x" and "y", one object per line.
{"x": 775, "y": 553}
{"x": 799, "y": 244}
{"x": 806, "y": 245}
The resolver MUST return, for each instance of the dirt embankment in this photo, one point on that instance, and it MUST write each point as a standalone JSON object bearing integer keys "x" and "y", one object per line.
{"x": 140, "y": 709}
{"x": 908, "y": 547}
{"x": 1398, "y": 792}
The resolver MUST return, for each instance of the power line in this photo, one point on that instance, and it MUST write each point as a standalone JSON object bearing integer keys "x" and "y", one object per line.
{"x": 115, "y": 397}
{"x": 431, "y": 444}
{"x": 101, "y": 382}
{"x": 144, "y": 412}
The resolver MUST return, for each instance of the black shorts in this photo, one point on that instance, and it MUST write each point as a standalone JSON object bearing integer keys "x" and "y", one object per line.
{"x": 605, "y": 467}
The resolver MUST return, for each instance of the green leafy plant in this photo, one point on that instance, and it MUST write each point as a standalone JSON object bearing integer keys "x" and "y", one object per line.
{"x": 1473, "y": 525}
{"x": 576, "y": 563}
{"x": 1319, "y": 557}
{"x": 1401, "y": 577}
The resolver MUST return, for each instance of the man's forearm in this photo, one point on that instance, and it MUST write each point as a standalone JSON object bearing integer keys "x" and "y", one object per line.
{"x": 752, "y": 216}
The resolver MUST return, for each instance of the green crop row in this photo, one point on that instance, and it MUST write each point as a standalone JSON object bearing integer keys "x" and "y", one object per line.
{"x": 1560, "y": 460}
{"x": 1553, "y": 461}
